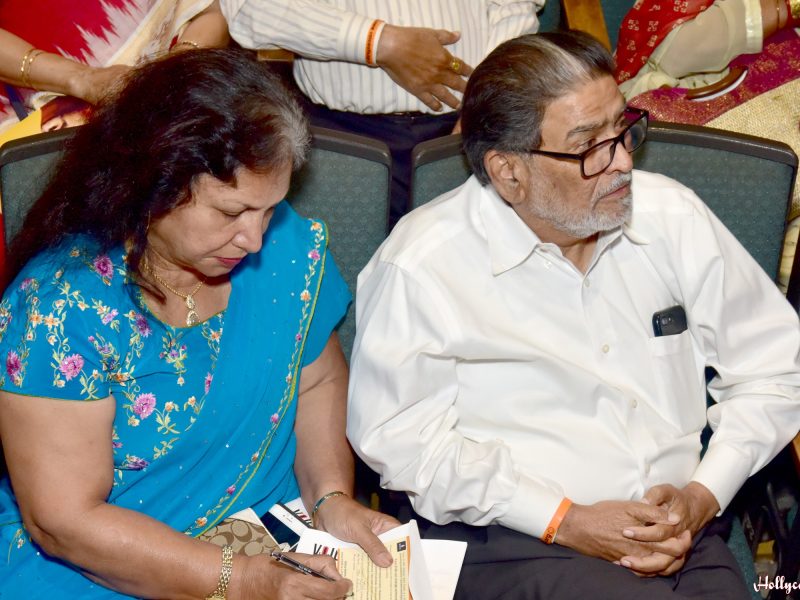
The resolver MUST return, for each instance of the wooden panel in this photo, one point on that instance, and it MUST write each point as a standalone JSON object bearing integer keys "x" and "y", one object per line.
{"x": 586, "y": 15}
{"x": 276, "y": 54}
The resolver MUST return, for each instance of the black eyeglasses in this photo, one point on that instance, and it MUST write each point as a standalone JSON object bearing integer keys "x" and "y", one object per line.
{"x": 599, "y": 157}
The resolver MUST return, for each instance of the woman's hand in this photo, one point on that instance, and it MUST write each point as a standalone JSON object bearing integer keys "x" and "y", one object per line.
{"x": 93, "y": 83}
{"x": 262, "y": 577}
{"x": 348, "y": 520}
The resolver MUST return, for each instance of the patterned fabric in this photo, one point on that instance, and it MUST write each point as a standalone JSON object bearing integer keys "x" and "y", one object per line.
{"x": 94, "y": 32}
{"x": 769, "y": 87}
{"x": 645, "y": 27}
{"x": 205, "y": 414}
{"x": 242, "y": 536}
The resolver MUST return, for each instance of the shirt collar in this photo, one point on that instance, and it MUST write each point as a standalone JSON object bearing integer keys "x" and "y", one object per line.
{"x": 511, "y": 241}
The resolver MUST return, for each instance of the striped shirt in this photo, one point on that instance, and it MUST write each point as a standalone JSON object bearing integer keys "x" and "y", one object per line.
{"x": 330, "y": 37}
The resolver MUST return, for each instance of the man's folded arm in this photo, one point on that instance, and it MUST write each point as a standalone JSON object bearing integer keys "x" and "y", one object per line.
{"x": 310, "y": 28}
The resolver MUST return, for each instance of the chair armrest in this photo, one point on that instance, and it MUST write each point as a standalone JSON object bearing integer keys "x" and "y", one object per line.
{"x": 586, "y": 16}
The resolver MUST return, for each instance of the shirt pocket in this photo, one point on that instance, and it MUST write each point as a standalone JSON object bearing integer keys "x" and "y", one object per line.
{"x": 680, "y": 393}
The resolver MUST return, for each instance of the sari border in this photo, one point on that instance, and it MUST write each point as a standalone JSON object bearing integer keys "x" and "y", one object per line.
{"x": 217, "y": 513}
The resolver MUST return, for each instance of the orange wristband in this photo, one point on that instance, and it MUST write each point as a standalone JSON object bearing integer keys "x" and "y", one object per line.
{"x": 550, "y": 533}
{"x": 369, "y": 51}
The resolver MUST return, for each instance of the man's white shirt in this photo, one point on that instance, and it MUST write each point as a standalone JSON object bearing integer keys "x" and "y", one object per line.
{"x": 490, "y": 378}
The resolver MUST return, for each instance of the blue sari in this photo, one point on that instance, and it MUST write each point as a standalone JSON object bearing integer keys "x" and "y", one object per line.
{"x": 204, "y": 420}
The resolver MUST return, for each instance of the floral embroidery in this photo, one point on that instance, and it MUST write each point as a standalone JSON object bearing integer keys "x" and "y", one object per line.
{"x": 173, "y": 351}
{"x": 141, "y": 325}
{"x": 111, "y": 356}
{"x": 13, "y": 367}
{"x": 108, "y": 315}
{"x": 144, "y": 404}
{"x": 5, "y": 317}
{"x": 18, "y": 540}
{"x": 134, "y": 463}
{"x": 104, "y": 267}
{"x": 71, "y": 366}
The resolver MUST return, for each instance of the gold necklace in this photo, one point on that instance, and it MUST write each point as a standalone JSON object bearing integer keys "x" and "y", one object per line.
{"x": 192, "y": 318}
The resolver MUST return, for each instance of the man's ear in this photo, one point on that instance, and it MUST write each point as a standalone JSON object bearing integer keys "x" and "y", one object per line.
{"x": 507, "y": 174}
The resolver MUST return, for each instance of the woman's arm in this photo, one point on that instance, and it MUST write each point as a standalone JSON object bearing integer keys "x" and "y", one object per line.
{"x": 208, "y": 29}
{"x": 60, "y": 461}
{"x": 53, "y": 72}
{"x": 324, "y": 460}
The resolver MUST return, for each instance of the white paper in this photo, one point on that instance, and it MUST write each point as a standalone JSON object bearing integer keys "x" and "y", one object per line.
{"x": 444, "y": 559}
{"x": 440, "y": 559}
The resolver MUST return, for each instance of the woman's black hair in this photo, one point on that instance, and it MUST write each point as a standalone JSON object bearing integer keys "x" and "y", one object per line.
{"x": 193, "y": 112}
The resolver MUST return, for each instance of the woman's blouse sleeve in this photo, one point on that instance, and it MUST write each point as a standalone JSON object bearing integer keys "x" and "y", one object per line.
{"x": 331, "y": 307}
{"x": 52, "y": 332}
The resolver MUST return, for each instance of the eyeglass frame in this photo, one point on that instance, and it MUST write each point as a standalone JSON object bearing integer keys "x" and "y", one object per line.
{"x": 615, "y": 141}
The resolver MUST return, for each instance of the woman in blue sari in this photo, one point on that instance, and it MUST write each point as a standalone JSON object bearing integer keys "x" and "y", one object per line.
{"x": 170, "y": 353}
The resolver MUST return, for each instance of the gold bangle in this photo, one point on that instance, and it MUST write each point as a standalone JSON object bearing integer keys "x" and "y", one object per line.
{"x": 224, "y": 575}
{"x": 26, "y": 82}
{"x": 322, "y": 500}
{"x": 194, "y": 45}
{"x": 24, "y": 64}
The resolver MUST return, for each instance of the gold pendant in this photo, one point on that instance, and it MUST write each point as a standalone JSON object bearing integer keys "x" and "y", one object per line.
{"x": 192, "y": 318}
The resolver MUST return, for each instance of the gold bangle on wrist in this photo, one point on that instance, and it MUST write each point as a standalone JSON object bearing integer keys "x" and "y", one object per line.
{"x": 322, "y": 500}
{"x": 224, "y": 575}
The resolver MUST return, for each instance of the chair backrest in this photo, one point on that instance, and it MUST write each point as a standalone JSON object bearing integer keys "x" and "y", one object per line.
{"x": 26, "y": 165}
{"x": 346, "y": 184}
{"x": 746, "y": 181}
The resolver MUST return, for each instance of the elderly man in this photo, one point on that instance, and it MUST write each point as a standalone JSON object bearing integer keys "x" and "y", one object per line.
{"x": 531, "y": 349}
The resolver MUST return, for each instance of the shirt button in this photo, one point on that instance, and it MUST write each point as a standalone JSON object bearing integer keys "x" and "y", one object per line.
{"x": 605, "y": 348}
{"x": 586, "y": 283}
{"x": 634, "y": 403}
{"x": 647, "y": 469}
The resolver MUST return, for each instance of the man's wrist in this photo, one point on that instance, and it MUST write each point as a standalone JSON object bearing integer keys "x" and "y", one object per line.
{"x": 703, "y": 505}
{"x": 386, "y": 45}
{"x": 571, "y": 526}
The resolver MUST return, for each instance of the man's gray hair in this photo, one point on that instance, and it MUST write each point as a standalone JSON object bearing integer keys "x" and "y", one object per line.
{"x": 508, "y": 93}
